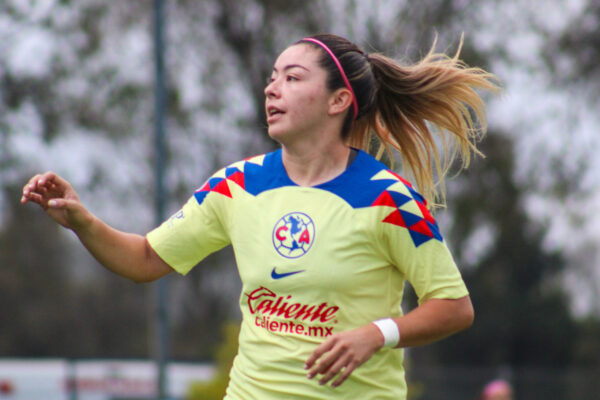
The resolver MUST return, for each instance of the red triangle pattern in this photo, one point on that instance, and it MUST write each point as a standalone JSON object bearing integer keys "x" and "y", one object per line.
{"x": 238, "y": 178}
{"x": 395, "y": 218}
{"x": 204, "y": 188}
{"x": 385, "y": 199}
{"x": 421, "y": 227}
{"x": 425, "y": 211}
{"x": 223, "y": 188}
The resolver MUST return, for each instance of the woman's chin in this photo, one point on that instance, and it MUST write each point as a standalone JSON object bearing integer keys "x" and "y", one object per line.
{"x": 275, "y": 133}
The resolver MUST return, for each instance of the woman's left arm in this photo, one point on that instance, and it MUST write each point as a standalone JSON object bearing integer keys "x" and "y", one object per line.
{"x": 433, "y": 320}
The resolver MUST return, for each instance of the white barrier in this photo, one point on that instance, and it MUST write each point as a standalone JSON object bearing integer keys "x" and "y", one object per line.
{"x": 58, "y": 379}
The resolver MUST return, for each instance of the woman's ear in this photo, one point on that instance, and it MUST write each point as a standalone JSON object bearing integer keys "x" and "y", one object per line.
{"x": 340, "y": 101}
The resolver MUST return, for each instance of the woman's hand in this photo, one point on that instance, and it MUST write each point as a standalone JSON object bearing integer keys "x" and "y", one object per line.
{"x": 58, "y": 198}
{"x": 126, "y": 254}
{"x": 343, "y": 353}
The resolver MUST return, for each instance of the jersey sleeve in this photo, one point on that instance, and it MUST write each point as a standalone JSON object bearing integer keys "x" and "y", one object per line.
{"x": 410, "y": 240}
{"x": 195, "y": 231}
{"x": 430, "y": 269}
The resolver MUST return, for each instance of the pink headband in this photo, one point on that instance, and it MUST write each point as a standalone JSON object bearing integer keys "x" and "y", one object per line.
{"x": 337, "y": 62}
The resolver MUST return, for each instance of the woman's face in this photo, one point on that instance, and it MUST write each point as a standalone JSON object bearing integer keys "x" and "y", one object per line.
{"x": 296, "y": 97}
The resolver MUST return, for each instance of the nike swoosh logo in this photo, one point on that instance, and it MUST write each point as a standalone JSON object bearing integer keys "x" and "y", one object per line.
{"x": 275, "y": 275}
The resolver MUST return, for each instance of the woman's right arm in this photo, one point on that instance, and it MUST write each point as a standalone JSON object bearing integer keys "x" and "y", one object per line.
{"x": 125, "y": 254}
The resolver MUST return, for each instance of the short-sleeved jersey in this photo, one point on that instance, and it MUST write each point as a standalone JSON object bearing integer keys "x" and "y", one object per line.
{"x": 313, "y": 261}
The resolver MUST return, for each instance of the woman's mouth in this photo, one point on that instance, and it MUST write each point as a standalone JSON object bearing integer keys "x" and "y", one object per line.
{"x": 273, "y": 114}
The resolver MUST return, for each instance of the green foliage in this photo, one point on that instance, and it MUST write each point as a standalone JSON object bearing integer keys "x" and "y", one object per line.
{"x": 215, "y": 389}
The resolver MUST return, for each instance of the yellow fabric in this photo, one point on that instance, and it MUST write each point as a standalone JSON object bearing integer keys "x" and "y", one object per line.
{"x": 348, "y": 269}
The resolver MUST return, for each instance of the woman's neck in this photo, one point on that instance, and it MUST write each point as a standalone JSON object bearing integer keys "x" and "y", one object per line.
{"x": 311, "y": 165}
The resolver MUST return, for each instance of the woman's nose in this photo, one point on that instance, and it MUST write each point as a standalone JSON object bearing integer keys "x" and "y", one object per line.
{"x": 272, "y": 89}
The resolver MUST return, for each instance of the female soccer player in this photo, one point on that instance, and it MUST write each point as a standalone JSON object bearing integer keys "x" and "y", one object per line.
{"x": 324, "y": 235}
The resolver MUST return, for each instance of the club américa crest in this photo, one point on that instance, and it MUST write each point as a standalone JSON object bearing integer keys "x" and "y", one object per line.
{"x": 293, "y": 235}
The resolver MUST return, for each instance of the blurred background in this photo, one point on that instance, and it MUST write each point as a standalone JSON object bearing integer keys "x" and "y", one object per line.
{"x": 77, "y": 97}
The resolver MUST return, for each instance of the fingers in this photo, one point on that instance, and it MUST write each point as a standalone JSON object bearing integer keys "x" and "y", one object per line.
{"x": 42, "y": 187}
{"x": 318, "y": 352}
{"x": 56, "y": 196}
{"x": 50, "y": 179}
{"x": 344, "y": 363}
{"x": 336, "y": 356}
{"x": 323, "y": 366}
{"x": 33, "y": 197}
{"x": 29, "y": 188}
{"x": 341, "y": 354}
{"x": 60, "y": 203}
{"x": 348, "y": 369}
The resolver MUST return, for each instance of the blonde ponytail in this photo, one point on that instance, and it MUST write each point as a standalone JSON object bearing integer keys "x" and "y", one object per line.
{"x": 430, "y": 111}
{"x": 414, "y": 104}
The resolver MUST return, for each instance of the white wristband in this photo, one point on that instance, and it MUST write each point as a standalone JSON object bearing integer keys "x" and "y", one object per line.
{"x": 389, "y": 330}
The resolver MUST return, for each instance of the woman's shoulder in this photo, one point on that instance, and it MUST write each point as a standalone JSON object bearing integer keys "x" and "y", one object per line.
{"x": 254, "y": 175}
{"x": 399, "y": 204}
{"x": 367, "y": 182}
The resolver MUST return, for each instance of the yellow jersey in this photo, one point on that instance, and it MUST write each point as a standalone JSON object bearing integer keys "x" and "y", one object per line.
{"x": 313, "y": 261}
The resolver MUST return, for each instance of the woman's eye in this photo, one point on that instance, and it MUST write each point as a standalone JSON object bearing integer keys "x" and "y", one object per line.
{"x": 291, "y": 78}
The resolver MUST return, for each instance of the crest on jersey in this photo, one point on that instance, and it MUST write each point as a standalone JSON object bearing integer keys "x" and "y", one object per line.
{"x": 293, "y": 235}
